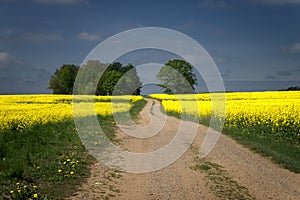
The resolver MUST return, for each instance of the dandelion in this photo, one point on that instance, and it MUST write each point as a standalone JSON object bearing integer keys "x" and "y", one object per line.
{"x": 19, "y": 191}
{"x": 11, "y": 192}
{"x": 35, "y": 196}
{"x": 59, "y": 171}
{"x": 72, "y": 172}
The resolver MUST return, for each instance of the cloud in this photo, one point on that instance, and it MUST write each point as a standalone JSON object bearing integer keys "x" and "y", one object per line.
{"x": 6, "y": 58}
{"x": 20, "y": 77}
{"x": 284, "y": 73}
{"x": 287, "y": 75}
{"x": 218, "y": 60}
{"x": 88, "y": 36}
{"x": 212, "y": 4}
{"x": 40, "y": 37}
{"x": 278, "y": 2}
{"x": 270, "y": 77}
{"x": 294, "y": 48}
{"x": 61, "y": 2}
{"x": 12, "y": 35}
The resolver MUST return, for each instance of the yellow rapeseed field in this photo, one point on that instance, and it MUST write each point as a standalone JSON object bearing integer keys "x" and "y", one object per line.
{"x": 18, "y": 112}
{"x": 275, "y": 114}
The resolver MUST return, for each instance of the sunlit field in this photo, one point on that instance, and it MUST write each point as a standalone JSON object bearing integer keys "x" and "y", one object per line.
{"x": 18, "y": 112}
{"x": 264, "y": 117}
{"x": 41, "y": 155}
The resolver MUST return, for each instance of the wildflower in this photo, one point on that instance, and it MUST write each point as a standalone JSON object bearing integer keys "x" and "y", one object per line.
{"x": 64, "y": 162}
{"x": 72, "y": 172}
{"x": 59, "y": 171}
{"x": 19, "y": 191}
{"x": 34, "y": 186}
{"x": 11, "y": 192}
{"x": 35, "y": 196}
{"x": 17, "y": 183}
{"x": 68, "y": 160}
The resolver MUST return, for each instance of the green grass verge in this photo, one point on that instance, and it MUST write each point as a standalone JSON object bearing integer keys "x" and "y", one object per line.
{"x": 47, "y": 161}
{"x": 282, "y": 153}
{"x": 137, "y": 108}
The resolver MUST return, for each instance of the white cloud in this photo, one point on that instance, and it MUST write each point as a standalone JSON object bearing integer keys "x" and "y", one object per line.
{"x": 6, "y": 58}
{"x": 88, "y": 36}
{"x": 62, "y": 2}
{"x": 218, "y": 60}
{"x": 278, "y": 2}
{"x": 40, "y": 37}
{"x": 295, "y": 48}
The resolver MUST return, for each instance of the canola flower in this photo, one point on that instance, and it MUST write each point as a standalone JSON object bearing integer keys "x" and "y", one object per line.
{"x": 24, "y": 190}
{"x": 274, "y": 114}
{"x": 18, "y": 112}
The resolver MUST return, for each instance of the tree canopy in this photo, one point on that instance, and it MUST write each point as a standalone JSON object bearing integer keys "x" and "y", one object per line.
{"x": 62, "y": 81}
{"x": 116, "y": 79}
{"x": 177, "y": 76}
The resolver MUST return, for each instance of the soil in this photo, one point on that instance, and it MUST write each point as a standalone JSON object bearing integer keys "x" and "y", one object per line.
{"x": 241, "y": 173}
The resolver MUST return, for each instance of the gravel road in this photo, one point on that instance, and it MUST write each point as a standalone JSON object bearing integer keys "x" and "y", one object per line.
{"x": 245, "y": 175}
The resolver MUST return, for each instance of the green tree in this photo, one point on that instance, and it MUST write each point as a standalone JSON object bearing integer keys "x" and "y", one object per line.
{"x": 96, "y": 78}
{"x": 119, "y": 80}
{"x": 62, "y": 81}
{"x": 129, "y": 83}
{"x": 92, "y": 77}
{"x": 177, "y": 76}
{"x": 111, "y": 78}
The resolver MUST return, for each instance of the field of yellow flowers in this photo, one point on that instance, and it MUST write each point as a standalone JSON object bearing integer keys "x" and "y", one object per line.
{"x": 275, "y": 114}
{"x": 18, "y": 112}
{"x": 41, "y": 154}
{"x": 268, "y": 122}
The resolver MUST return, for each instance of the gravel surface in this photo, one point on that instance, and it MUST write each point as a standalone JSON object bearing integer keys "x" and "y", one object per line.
{"x": 259, "y": 176}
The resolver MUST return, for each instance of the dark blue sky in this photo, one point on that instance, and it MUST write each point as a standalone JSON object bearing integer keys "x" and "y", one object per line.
{"x": 255, "y": 43}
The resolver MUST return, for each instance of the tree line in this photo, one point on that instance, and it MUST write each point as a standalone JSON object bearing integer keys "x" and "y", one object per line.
{"x": 176, "y": 76}
{"x": 293, "y": 88}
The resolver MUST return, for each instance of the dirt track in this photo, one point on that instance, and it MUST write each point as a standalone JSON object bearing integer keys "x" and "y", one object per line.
{"x": 260, "y": 178}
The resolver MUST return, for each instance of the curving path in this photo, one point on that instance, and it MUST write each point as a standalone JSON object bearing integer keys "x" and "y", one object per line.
{"x": 262, "y": 178}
